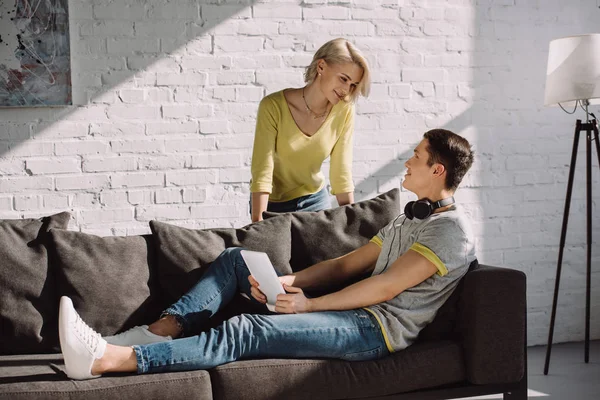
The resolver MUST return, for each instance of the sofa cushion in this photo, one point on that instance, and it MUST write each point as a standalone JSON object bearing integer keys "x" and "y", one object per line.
{"x": 28, "y": 302}
{"x": 417, "y": 367}
{"x": 184, "y": 253}
{"x": 42, "y": 377}
{"x": 322, "y": 235}
{"x": 111, "y": 280}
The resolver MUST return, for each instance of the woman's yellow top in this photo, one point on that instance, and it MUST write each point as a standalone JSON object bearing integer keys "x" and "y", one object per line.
{"x": 286, "y": 163}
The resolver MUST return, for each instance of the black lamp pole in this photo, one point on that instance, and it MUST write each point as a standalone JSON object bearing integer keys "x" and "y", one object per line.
{"x": 588, "y": 127}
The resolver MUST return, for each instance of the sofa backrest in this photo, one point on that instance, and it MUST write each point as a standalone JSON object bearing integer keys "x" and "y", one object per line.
{"x": 444, "y": 326}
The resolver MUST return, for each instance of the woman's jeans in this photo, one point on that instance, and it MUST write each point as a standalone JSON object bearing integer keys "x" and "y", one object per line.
{"x": 311, "y": 202}
{"x": 346, "y": 335}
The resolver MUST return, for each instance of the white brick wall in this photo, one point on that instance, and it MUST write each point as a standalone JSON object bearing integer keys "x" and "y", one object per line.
{"x": 166, "y": 95}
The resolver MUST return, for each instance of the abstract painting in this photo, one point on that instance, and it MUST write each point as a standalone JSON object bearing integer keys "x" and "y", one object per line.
{"x": 35, "y": 56}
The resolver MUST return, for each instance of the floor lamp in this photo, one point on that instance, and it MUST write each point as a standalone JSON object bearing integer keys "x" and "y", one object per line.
{"x": 573, "y": 79}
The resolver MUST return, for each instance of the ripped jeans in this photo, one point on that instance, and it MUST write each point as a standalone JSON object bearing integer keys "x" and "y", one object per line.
{"x": 346, "y": 335}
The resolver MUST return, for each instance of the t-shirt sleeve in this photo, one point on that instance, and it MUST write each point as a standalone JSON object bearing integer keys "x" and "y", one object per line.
{"x": 340, "y": 173}
{"x": 444, "y": 243}
{"x": 263, "y": 152}
{"x": 382, "y": 234}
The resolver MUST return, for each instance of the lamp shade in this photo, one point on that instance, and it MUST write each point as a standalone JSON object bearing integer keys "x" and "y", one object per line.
{"x": 573, "y": 71}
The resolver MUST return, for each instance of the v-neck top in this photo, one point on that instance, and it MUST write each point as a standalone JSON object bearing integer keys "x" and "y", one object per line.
{"x": 286, "y": 163}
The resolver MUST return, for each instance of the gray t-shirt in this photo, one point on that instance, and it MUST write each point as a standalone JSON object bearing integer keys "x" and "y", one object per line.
{"x": 446, "y": 240}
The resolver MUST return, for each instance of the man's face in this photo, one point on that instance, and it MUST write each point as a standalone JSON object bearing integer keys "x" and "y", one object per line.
{"x": 419, "y": 175}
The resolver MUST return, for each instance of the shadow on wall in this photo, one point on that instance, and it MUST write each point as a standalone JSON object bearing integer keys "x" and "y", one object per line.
{"x": 100, "y": 63}
{"x": 393, "y": 170}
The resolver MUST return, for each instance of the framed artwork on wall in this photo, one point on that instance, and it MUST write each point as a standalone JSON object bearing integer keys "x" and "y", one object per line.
{"x": 35, "y": 54}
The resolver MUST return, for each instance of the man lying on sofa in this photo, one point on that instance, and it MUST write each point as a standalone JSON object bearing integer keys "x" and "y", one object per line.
{"x": 415, "y": 262}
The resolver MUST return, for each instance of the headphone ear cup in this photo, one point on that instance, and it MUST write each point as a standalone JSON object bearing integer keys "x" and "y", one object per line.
{"x": 408, "y": 210}
{"x": 422, "y": 209}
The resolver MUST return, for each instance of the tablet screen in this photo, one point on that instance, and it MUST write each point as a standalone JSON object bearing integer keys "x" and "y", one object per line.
{"x": 263, "y": 271}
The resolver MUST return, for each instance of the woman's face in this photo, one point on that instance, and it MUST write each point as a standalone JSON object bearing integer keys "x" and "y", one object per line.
{"x": 337, "y": 81}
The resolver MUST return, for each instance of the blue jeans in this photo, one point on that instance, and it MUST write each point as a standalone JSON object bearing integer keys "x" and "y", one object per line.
{"x": 311, "y": 202}
{"x": 346, "y": 335}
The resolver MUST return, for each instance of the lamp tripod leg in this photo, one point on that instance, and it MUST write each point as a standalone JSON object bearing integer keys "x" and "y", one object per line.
{"x": 596, "y": 140}
{"x": 562, "y": 243}
{"x": 588, "y": 190}
{"x": 591, "y": 128}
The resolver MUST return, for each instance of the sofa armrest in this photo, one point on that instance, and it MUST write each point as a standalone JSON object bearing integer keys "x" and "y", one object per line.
{"x": 492, "y": 323}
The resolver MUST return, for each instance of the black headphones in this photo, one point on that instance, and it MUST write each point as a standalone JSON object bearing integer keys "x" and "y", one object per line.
{"x": 423, "y": 208}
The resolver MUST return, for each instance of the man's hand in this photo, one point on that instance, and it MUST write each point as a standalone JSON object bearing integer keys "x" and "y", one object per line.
{"x": 294, "y": 302}
{"x": 255, "y": 291}
{"x": 259, "y": 295}
{"x": 287, "y": 280}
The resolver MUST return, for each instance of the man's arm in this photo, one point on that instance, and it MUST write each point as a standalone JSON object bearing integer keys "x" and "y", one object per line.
{"x": 407, "y": 271}
{"x": 338, "y": 270}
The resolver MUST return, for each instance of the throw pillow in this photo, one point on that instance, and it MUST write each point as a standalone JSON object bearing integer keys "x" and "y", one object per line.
{"x": 322, "y": 235}
{"x": 183, "y": 253}
{"x": 110, "y": 279}
{"x": 28, "y": 302}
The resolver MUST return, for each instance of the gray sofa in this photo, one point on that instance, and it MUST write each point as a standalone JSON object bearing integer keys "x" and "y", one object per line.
{"x": 476, "y": 344}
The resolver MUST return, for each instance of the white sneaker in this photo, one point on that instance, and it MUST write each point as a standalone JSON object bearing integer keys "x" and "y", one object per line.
{"x": 136, "y": 335}
{"x": 80, "y": 344}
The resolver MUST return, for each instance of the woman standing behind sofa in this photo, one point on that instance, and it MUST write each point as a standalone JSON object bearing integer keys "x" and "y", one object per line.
{"x": 298, "y": 128}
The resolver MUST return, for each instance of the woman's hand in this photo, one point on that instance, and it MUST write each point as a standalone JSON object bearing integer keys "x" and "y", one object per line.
{"x": 294, "y": 302}
{"x": 345, "y": 198}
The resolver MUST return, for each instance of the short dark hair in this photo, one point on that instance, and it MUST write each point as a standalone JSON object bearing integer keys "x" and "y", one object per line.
{"x": 452, "y": 151}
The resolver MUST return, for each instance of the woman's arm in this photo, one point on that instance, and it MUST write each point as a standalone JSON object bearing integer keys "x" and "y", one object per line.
{"x": 263, "y": 153}
{"x": 340, "y": 172}
{"x": 345, "y": 198}
{"x": 260, "y": 201}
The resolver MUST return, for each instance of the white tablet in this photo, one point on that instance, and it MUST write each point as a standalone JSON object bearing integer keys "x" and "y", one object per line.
{"x": 262, "y": 270}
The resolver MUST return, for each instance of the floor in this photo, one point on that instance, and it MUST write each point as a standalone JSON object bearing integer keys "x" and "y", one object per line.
{"x": 569, "y": 377}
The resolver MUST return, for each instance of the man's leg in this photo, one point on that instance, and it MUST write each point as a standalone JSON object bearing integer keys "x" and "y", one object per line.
{"x": 225, "y": 276}
{"x": 349, "y": 335}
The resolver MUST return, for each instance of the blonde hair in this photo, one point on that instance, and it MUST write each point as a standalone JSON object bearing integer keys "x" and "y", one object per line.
{"x": 341, "y": 51}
